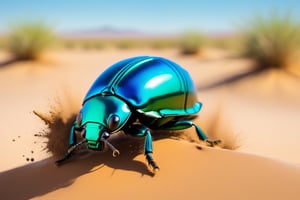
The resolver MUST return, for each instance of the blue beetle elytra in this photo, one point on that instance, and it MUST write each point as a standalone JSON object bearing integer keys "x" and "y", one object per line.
{"x": 137, "y": 95}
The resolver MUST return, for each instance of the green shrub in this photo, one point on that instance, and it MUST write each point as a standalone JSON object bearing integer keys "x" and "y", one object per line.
{"x": 163, "y": 43}
{"x": 226, "y": 42}
{"x": 69, "y": 44}
{"x": 27, "y": 41}
{"x": 125, "y": 43}
{"x": 271, "y": 41}
{"x": 191, "y": 43}
{"x": 2, "y": 42}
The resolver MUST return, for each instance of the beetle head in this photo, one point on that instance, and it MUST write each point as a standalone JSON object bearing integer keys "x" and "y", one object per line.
{"x": 100, "y": 116}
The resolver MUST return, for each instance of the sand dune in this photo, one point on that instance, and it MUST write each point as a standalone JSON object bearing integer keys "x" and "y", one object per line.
{"x": 262, "y": 111}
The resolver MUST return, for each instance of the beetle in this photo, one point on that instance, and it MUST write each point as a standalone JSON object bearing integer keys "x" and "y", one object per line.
{"x": 136, "y": 95}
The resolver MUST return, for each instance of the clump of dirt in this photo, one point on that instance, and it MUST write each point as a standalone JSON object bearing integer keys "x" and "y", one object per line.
{"x": 57, "y": 131}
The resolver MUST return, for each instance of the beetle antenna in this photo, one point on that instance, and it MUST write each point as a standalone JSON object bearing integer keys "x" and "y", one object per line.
{"x": 69, "y": 152}
{"x": 115, "y": 151}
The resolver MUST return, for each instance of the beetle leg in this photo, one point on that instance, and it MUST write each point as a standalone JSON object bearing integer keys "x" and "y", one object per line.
{"x": 69, "y": 152}
{"x": 72, "y": 138}
{"x": 139, "y": 130}
{"x": 72, "y": 143}
{"x": 148, "y": 149}
{"x": 183, "y": 124}
{"x": 74, "y": 128}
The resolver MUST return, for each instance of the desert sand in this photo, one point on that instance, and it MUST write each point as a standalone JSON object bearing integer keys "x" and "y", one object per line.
{"x": 259, "y": 114}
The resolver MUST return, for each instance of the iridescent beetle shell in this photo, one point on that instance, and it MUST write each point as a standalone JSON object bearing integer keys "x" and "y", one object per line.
{"x": 153, "y": 86}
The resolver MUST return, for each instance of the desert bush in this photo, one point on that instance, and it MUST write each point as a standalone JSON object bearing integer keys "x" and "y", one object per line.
{"x": 125, "y": 43}
{"x": 163, "y": 43}
{"x": 271, "y": 41}
{"x": 68, "y": 44}
{"x": 82, "y": 43}
{"x": 226, "y": 42}
{"x": 27, "y": 41}
{"x": 2, "y": 42}
{"x": 191, "y": 42}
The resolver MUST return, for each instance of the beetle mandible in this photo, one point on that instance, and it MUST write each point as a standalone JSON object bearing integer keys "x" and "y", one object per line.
{"x": 137, "y": 95}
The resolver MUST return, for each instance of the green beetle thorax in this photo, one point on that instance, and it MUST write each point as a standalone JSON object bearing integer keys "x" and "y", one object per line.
{"x": 101, "y": 114}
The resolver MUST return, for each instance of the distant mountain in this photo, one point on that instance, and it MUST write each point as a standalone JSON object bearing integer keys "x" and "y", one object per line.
{"x": 110, "y": 32}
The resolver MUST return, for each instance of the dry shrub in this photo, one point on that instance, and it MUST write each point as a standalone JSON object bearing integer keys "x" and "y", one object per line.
{"x": 271, "y": 41}
{"x": 26, "y": 41}
{"x": 191, "y": 43}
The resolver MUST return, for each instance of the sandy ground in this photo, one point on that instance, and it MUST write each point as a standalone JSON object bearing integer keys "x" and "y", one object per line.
{"x": 261, "y": 112}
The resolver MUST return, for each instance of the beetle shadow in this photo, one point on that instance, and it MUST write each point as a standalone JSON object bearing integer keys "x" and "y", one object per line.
{"x": 44, "y": 176}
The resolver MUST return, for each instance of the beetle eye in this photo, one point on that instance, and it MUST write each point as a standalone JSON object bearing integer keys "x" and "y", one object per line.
{"x": 113, "y": 122}
{"x": 79, "y": 119}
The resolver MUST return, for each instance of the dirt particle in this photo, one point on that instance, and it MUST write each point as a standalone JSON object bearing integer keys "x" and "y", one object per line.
{"x": 199, "y": 147}
{"x": 32, "y": 159}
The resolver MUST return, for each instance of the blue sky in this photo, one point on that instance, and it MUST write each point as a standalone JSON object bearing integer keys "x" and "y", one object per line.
{"x": 155, "y": 16}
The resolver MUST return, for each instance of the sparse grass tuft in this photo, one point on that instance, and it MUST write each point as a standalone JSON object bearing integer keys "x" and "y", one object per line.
{"x": 226, "y": 42}
{"x": 163, "y": 43}
{"x": 271, "y": 41}
{"x": 191, "y": 43}
{"x": 2, "y": 42}
{"x": 26, "y": 41}
{"x": 127, "y": 43}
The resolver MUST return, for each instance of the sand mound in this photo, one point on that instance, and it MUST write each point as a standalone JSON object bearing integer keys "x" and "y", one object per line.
{"x": 187, "y": 172}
